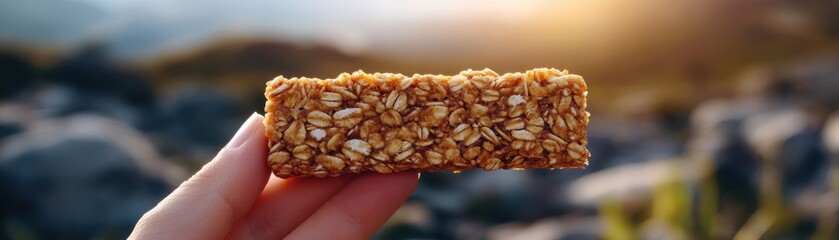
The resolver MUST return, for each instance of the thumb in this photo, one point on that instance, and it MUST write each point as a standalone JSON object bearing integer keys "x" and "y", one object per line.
{"x": 207, "y": 204}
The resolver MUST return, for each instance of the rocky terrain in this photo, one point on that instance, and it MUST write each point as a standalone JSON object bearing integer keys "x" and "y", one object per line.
{"x": 87, "y": 145}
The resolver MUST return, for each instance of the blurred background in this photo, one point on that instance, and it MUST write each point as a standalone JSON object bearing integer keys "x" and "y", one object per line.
{"x": 711, "y": 119}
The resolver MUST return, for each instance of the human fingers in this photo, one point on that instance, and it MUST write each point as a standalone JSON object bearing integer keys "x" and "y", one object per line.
{"x": 359, "y": 209}
{"x": 207, "y": 204}
{"x": 284, "y": 204}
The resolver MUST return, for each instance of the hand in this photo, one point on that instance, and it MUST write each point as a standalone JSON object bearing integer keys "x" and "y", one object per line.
{"x": 233, "y": 197}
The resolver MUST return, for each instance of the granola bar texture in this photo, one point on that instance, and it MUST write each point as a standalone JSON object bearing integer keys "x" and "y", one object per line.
{"x": 387, "y": 123}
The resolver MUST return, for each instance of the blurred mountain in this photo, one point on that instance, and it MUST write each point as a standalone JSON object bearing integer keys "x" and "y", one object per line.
{"x": 243, "y": 66}
{"x": 256, "y": 58}
{"x": 625, "y": 36}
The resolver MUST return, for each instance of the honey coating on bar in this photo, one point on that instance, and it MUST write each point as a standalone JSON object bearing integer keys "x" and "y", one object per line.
{"x": 389, "y": 123}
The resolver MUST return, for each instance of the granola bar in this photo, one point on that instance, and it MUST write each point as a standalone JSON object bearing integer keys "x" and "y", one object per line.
{"x": 386, "y": 123}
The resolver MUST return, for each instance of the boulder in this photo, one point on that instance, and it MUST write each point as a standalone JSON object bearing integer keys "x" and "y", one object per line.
{"x": 831, "y": 135}
{"x": 80, "y": 177}
{"x": 550, "y": 228}
{"x": 16, "y": 75}
{"x": 58, "y": 100}
{"x": 91, "y": 70}
{"x": 196, "y": 123}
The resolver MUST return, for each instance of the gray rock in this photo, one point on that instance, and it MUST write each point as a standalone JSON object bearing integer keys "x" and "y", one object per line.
{"x": 831, "y": 135}
{"x": 61, "y": 100}
{"x": 197, "y": 122}
{"x": 603, "y": 150}
{"x": 766, "y": 132}
{"x": 717, "y": 135}
{"x": 16, "y": 75}
{"x": 91, "y": 70}
{"x": 788, "y": 140}
{"x": 469, "y": 230}
{"x": 719, "y": 122}
{"x": 550, "y": 228}
{"x": 624, "y": 183}
{"x": 13, "y": 119}
{"x": 80, "y": 176}
{"x": 804, "y": 161}
{"x": 497, "y": 196}
{"x": 9, "y": 129}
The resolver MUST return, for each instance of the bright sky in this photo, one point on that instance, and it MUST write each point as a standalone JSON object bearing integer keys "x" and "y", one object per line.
{"x": 493, "y": 30}
{"x": 353, "y": 26}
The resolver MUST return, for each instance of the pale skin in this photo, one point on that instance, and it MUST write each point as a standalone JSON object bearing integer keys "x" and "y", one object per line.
{"x": 235, "y": 196}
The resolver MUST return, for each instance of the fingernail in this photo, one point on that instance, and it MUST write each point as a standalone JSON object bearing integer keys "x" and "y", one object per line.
{"x": 245, "y": 131}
